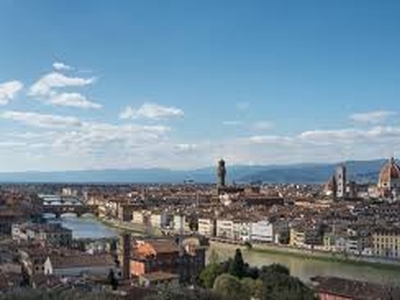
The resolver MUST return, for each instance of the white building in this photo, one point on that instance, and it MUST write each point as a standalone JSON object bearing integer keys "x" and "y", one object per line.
{"x": 340, "y": 244}
{"x": 241, "y": 230}
{"x": 225, "y": 229}
{"x": 178, "y": 219}
{"x": 161, "y": 219}
{"x": 262, "y": 231}
{"x": 206, "y": 226}
{"x": 352, "y": 246}
{"x": 156, "y": 219}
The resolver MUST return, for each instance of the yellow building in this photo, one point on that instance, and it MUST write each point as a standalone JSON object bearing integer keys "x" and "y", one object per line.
{"x": 137, "y": 217}
{"x": 386, "y": 243}
{"x": 297, "y": 237}
{"x": 156, "y": 219}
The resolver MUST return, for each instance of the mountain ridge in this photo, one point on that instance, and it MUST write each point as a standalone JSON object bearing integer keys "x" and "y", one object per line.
{"x": 363, "y": 170}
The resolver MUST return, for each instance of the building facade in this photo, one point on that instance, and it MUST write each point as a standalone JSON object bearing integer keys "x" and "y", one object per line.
{"x": 386, "y": 243}
{"x": 262, "y": 231}
{"x": 207, "y": 227}
{"x": 341, "y": 181}
{"x": 225, "y": 229}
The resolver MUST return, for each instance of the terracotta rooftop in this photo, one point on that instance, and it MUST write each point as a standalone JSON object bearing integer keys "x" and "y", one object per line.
{"x": 357, "y": 290}
{"x": 163, "y": 245}
{"x": 389, "y": 171}
{"x": 84, "y": 260}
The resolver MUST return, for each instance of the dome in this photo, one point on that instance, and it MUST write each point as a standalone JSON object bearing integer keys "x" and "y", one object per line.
{"x": 390, "y": 172}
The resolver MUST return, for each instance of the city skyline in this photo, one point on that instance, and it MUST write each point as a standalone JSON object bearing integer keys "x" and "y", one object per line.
{"x": 180, "y": 85}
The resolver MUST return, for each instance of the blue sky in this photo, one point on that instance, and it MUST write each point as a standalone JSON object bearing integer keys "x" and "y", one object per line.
{"x": 99, "y": 84}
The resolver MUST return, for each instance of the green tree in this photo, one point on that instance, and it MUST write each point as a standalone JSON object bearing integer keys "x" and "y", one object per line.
{"x": 229, "y": 287}
{"x": 237, "y": 267}
{"x": 253, "y": 287}
{"x": 278, "y": 285}
{"x": 177, "y": 293}
{"x": 274, "y": 269}
{"x": 209, "y": 274}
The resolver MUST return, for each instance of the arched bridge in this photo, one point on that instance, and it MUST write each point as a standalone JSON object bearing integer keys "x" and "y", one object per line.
{"x": 79, "y": 210}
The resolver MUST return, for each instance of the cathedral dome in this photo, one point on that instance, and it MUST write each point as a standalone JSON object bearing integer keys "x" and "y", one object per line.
{"x": 390, "y": 172}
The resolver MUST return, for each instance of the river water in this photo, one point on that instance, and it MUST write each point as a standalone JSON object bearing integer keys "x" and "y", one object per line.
{"x": 89, "y": 227}
{"x": 307, "y": 268}
{"x": 86, "y": 227}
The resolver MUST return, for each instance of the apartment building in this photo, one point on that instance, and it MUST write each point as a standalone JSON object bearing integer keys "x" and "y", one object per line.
{"x": 207, "y": 226}
{"x": 261, "y": 231}
{"x": 386, "y": 243}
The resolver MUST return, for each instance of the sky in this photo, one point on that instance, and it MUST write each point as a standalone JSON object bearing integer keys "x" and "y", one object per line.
{"x": 181, "y": 83}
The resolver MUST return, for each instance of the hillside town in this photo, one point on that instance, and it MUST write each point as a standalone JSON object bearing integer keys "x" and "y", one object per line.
{"x": 165, "y": 231}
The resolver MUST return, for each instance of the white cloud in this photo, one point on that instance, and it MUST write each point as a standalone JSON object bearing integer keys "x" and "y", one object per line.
{"x": 262, "y": 125}
{"x": 72, "y": 100}
{"x": 151, "y": 111}
{"x": 127, "y": 113}
{"x": 186, "y": 147}
{"x": 59, "y": 66}
{"x": 242, "y": 105}
{"x": 45, "y": 85}
{"x": 231, "y": 123}
{"x": 333, "y": 135}
{"x": 269, "y": 139}
{"x": 40, "y": 120}
{"x": 12, "y": 144}
{"x": 8, "y": 91}
{"x": 373, "y": 117}
{"x": 103, "y": 145}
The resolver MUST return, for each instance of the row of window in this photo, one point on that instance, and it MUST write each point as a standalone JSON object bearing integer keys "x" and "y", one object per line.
{"x": 387, "y": 253}
{"x": 390, "y": 246}
{"x": 387, "y": 240}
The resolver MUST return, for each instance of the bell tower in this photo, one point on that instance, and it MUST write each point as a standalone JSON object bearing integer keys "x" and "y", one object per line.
{"x": 221, "y": 173}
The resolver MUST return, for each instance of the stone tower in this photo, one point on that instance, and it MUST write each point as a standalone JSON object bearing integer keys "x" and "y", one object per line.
{"x": 221, "y": 173}
{"x": 341, "y": 181}
{"x": 126, "y": 255}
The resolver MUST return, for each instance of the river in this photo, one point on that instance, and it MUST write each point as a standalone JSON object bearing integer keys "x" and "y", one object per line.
{"x": 86, "y": 227}
{"x": 83, "y": 227}
{"x": 307, "y": 268}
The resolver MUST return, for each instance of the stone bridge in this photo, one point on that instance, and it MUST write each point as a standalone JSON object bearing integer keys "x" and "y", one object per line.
{"x": 79, "y": 210}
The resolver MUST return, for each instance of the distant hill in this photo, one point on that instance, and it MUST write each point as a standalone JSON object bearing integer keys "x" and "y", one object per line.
{"x": 359, "y": 171}
{"x": 364, "y": 171}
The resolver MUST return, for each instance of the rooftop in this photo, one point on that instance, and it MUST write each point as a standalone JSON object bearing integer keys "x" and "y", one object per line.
{"x": 357, "y": 290}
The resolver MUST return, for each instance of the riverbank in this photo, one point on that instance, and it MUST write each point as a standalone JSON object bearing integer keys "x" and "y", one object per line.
{"x": 131, "y": 228}
{"x": 329, "y": 257}
{"x": 306, "y": 267}
{"x": 319, "y": 256}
